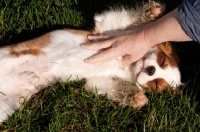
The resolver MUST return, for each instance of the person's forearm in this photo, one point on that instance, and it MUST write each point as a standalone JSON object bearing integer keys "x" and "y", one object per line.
{"x": 167, "y": 28}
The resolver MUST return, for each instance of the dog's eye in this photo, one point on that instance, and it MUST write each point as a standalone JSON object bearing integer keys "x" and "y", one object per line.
{"x": 162, "y": 62}
{"x": 161, "y": 59}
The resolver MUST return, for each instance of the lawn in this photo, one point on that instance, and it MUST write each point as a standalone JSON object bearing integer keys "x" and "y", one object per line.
{"x": 67, "y": 106}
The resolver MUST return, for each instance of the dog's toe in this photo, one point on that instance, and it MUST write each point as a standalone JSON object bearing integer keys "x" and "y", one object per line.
{"x": 137, "y": 99}
{"x": 153, "y": 10}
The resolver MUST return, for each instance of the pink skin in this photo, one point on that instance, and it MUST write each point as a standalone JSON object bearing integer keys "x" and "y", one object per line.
{"x": 133, "y": 44}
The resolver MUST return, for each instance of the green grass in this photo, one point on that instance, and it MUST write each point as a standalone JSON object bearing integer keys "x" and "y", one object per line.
{"x": 67, "y": 106}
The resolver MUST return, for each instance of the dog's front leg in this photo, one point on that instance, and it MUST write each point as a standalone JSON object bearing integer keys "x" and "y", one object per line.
{"x": 117, "y": 90}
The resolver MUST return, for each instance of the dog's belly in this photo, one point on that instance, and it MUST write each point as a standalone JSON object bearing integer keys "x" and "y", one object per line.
{"x": 67, "y": 58}
{"x": 62, "y": 59}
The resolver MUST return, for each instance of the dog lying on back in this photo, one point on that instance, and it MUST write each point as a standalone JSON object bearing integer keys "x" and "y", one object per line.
{"x": 29, "y": 66}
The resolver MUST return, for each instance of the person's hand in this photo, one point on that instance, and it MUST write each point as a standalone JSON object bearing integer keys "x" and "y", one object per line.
{"x": 133, "y": 44}
{"x": 129, "y": 44}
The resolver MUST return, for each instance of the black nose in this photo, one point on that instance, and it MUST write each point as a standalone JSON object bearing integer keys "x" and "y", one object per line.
{"x": 150, "y": 70}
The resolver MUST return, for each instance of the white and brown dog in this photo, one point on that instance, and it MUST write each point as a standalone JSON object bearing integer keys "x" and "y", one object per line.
{"x": 28, "y": 66}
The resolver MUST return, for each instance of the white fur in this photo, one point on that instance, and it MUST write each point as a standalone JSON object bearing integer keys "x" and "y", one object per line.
{"x": 23, "y": 76}
{"x": 120, "y": 19}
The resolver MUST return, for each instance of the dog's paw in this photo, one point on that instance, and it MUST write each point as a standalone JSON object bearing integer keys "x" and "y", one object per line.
{"x": 153, "y": 10}
{"x": 29, "y": 76}
{"x": 28, "y": 79}
{"x": 137, "y": 98}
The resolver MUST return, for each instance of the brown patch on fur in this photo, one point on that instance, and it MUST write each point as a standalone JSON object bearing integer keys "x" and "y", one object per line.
{"x": 166, "y": 55}
{"x": 157, "y": 85}
{"x": 31, "y": 47}
{"x": 80, "y": 32}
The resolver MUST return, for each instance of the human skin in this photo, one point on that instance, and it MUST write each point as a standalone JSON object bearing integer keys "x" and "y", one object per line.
{"x": 133, "y": 44}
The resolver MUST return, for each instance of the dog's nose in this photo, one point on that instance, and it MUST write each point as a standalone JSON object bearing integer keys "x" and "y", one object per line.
{"x": 150, "y": 70}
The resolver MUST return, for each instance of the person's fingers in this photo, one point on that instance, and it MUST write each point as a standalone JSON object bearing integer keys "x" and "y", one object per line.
{"x": 105, "y": 55}
{"x": 126, "y": 60}
{"x": 97, "y": 37}
{"x": 98, "y": 45}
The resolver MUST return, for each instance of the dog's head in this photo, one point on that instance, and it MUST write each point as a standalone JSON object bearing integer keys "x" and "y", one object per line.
{"x": 158, "y": 69}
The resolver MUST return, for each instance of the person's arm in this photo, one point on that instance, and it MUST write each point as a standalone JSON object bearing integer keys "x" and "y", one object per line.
{"x": 168, "y": 28}
{"x": 132, "y": 45}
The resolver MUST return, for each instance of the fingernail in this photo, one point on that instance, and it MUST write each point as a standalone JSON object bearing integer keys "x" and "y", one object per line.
{"x": 86, "y": 60}
{"x": 90, "y": 37}
{"x": 82, "y": 45}
{"x": 121, "y": 68}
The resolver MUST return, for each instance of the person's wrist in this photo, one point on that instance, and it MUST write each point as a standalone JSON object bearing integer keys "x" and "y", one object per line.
{"x": 146, "y": 38}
